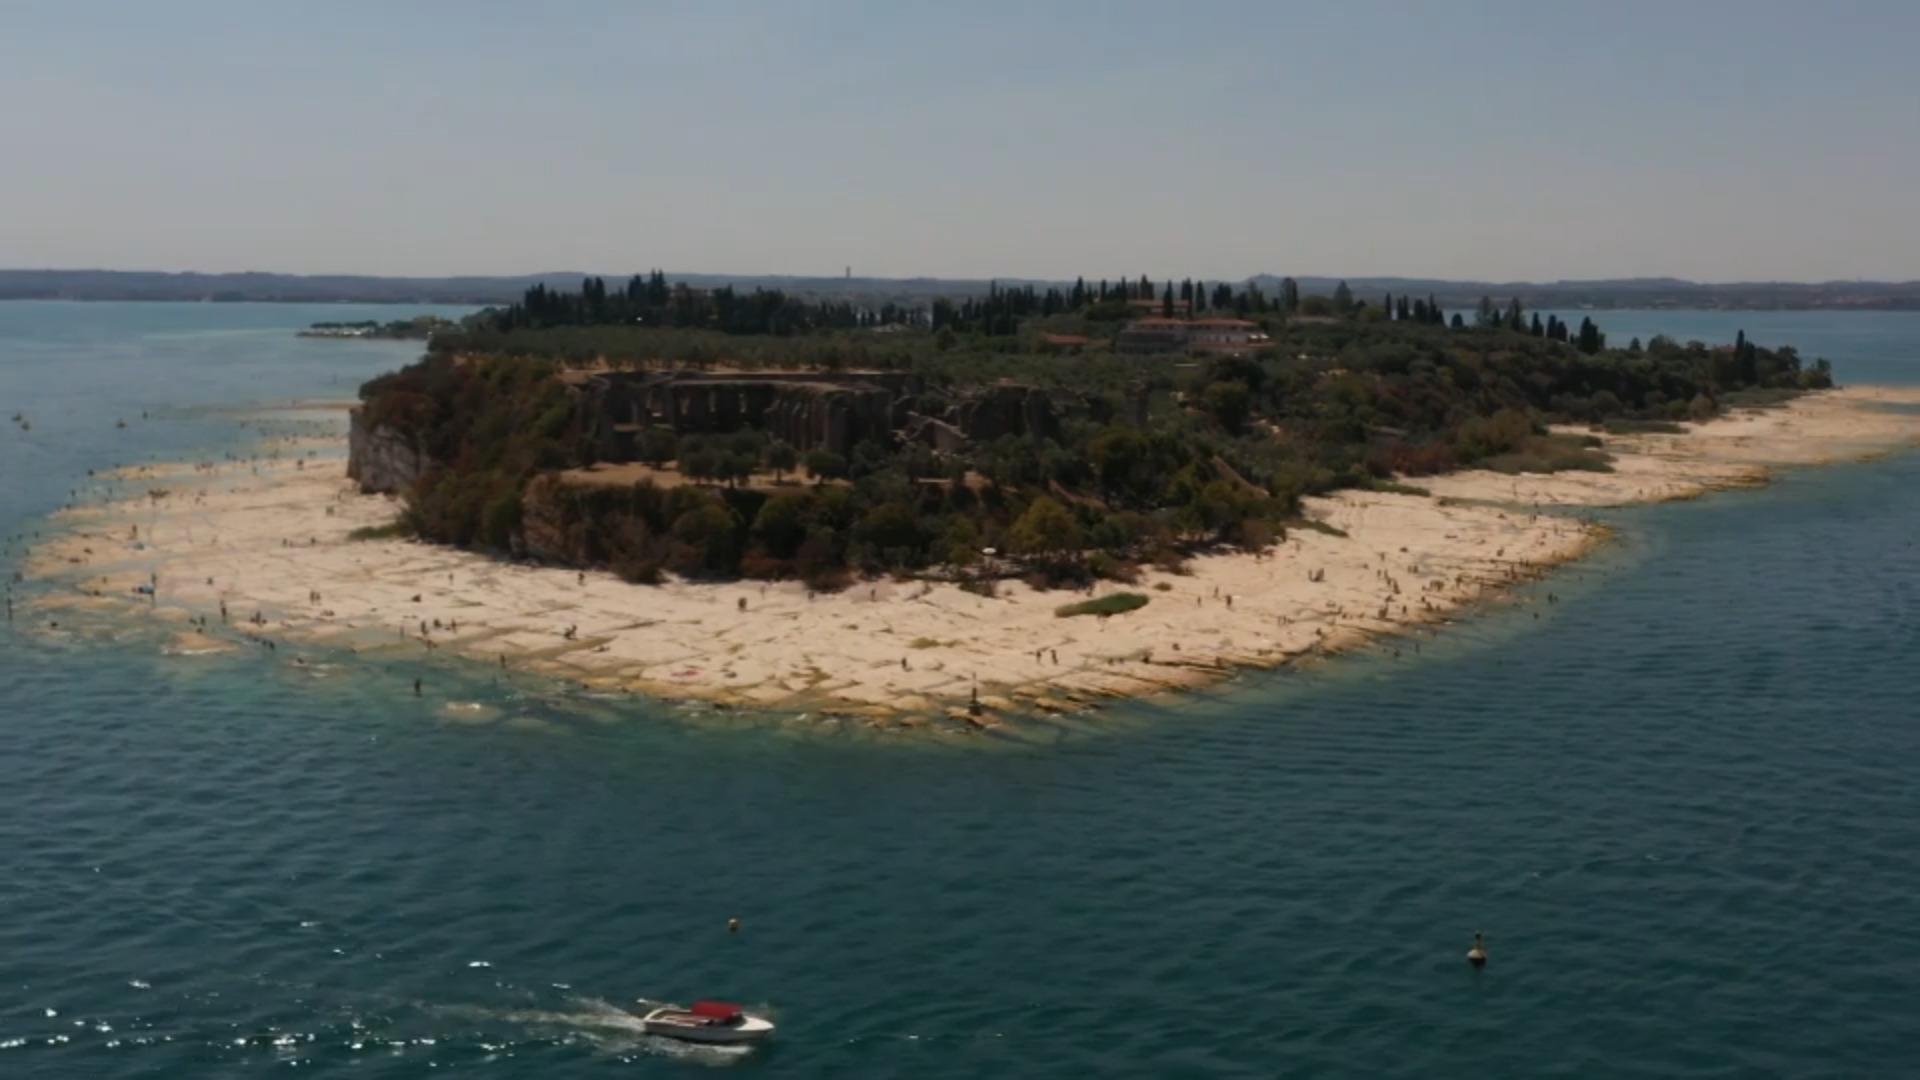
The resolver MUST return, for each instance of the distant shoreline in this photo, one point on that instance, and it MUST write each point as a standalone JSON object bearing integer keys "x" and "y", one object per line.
{"x": 1838, "y": 309}
{"x": 478, "y": 290}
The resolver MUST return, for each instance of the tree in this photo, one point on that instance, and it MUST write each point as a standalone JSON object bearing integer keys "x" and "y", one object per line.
{"x": 959, "y": 545}
{"x": 1045, "y": 531}
{"x": 701, "y": 464}
{"x": 1488, "y": 316}
{"x": 890, "y": 527}
{"x": 1458, "y": 322}
{"x": 1591, "y": 339}
{"x": 1166, "y": 301}
{"x": 501, "y": 520}
{"x": 1229, "y": 402}
{"x": 1537, "y": 330}
{"x": 1342, "y": 298}
{"x": 781, "y": 524}
{"x": 781, "y": 458}
{"x": 824, "y": 464}
{"x": 747, "y": 441}
{"x": 1289, "y": 295}
{"x": 706, "y": 534}
{"x": 738, "y": 467}
{"x": 1514, "y": 320}
{"x": 658, "y": 446}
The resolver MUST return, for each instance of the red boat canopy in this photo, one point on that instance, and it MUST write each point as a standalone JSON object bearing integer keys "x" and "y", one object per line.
{"x": 715, "y": 1010}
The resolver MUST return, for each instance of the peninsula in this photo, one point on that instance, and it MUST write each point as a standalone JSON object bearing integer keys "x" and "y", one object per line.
{"x": 418, "y": 328}
{"x": 1037, "y": 499}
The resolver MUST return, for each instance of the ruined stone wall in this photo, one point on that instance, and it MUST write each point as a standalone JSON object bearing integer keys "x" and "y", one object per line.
{"x": 809, "y": 410}
{"x": 1006, "y": 410}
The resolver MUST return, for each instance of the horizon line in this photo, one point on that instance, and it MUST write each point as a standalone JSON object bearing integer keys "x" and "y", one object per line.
{"x": 783, "y": 275}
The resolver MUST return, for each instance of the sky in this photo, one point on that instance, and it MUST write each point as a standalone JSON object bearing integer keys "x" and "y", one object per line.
{"x": 1720, "y": 141}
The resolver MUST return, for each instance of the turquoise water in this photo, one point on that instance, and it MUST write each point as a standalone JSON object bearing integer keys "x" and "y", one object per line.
{"x": 1681, "y": 803}
{"x": 1868, "y": 346}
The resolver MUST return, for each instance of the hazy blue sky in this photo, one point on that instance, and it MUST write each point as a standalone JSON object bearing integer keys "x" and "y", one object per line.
{"x": 1533, "y": 140}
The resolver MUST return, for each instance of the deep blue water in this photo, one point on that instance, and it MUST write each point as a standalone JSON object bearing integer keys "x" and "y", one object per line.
{"x": 1681, "y": 802}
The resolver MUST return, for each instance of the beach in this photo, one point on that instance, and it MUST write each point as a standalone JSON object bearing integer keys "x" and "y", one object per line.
{"x": 259, "y": 552}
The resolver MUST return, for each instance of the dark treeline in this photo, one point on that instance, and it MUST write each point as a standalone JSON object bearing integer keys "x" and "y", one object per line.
{"x": 649, "y": 301}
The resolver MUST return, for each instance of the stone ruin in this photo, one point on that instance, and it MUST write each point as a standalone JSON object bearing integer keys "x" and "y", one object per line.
{"x": 808, "y": 410}
{"x": 834, "y": 411}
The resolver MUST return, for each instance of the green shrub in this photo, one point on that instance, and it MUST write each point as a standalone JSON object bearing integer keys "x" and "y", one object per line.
{"x": 1111, "y": 604}
{"x": 397, "y": 529}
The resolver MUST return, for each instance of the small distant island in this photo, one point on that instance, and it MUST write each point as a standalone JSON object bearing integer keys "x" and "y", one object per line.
{"x": 418, "y": 328}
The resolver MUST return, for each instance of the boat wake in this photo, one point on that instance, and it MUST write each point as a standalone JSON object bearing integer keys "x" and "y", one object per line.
{"x": 607, "y": 1027}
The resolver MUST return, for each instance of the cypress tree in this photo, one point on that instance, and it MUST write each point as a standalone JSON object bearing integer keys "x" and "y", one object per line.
{"x": 1590, "y": 339}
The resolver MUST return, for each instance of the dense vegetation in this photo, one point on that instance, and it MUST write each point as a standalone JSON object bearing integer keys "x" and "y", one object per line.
{"x": 1346, "y": 394}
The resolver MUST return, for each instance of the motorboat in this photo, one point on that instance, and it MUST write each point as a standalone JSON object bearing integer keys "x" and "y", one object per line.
{"x": 719, "y": 1023}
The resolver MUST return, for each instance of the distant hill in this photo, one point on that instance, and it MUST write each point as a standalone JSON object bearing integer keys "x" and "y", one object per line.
{"x": 369, "y": 289}
{"x": 479, "y": 290}
{"x": 1631, "y": 292}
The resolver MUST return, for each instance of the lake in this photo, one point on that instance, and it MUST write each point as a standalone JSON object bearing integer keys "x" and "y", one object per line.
{"x": 1680, "y": 802}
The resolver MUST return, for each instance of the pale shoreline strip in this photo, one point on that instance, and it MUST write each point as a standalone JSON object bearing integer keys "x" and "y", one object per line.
{"x": 272, "y": 536}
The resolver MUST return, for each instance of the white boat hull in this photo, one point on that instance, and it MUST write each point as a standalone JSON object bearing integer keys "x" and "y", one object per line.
{"x": 675, "y": 1024}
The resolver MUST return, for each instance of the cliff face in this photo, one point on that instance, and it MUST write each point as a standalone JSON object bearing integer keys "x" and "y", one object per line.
{"x": 544, "y": 530}
{"x": 381, "y": 459}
